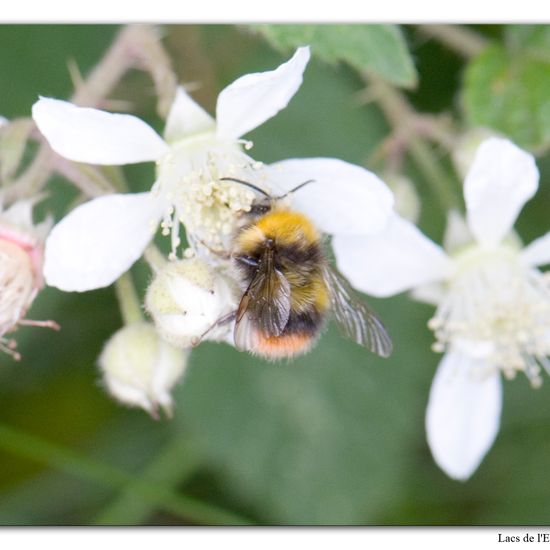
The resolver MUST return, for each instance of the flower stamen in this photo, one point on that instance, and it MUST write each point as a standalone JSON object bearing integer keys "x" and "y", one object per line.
{"x": 497, "y": 309}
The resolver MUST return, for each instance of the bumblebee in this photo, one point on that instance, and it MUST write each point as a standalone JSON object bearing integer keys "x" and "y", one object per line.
{"x": 290, "y": 288}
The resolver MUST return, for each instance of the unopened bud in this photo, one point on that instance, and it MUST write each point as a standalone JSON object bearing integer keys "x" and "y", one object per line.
{"x": 140, "y": 368}
{"x": 186, "y": 300}
{"x": 21, "y": 255}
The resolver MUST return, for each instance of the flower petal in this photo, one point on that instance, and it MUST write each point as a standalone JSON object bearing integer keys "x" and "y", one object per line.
{"x": 186, "y": 117}
{"x": 343, "y": 198}
{"x": 255, "y": 98}
{"x": 100, "y": 240}
{"x": 537, "y": 252}
{"x": 457, "y": 232}
{"x": 398, "y": 258}
{"x": 501, "y": 180}
{"x": 96, "y": 137}
{"x": 463, "y": 414}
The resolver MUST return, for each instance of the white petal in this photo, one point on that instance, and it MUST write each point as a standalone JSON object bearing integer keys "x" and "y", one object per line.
{"x": 100, "y": 240}
{"x": 463, "y": 414}
{"x": 501, "y": 180}
{"x": 431, "y": 293}
{"x": 96, "y": 137}
{"x": 457, "y": 232}
{"x": 255, "y": 98}
{"x": 537, "y": 252}
{"x": 186, "y": 118}
{"x": 343, "y": 199}
{"x": 398, "y": 258}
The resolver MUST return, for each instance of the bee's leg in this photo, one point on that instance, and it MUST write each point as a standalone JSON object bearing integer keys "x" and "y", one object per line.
{"x": 220, "y": 253}
{"x": 220, "y": 322}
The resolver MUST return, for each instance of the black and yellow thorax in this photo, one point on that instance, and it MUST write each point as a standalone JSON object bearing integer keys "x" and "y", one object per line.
{"x": 297, "y": 254}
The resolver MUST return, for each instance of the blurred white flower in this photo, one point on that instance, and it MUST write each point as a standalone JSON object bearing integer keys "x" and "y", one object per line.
{"x": 493, "y": 304}
{"x": 21, "y": 259}
{"x": 140, "y": 369}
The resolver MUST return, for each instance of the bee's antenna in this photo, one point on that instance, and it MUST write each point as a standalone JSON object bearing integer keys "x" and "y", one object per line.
{"x": 256, "y": 188}
{"x": 295, "y": 189}
{"x": 248, "y": 184}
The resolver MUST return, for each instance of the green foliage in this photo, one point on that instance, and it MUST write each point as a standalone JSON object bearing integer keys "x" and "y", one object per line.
{"x": 507, "y": 87}
{"x": 380, "y": 49}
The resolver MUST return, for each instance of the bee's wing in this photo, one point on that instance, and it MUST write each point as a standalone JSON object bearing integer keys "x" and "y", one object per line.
{"x": 357, "y": 321}
{"x": 265, "y": 306}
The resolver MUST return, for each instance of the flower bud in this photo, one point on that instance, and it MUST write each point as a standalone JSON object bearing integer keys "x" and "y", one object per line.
{"x": 21, "y": 258}
{"x": 186, "y": 299}
{"x": 140, "y": 368}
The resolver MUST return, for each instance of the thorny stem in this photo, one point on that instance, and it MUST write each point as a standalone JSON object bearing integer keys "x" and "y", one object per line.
{"x": 128, "y": 300}
{"x": 462, "y": 40}
{"x": 401, "y": 117}
{"x": 134, "y": 46}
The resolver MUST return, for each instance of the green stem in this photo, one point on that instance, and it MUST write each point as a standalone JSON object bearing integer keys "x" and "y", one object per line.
{"x": 432, "y": 171}
{"x": 462, "y": 40}
{"x": 154, "y": 257}
{"x": 402, "y": 117}
{"x": 173, "y": 465}
{"x": 128, "y": 299}
{"x": 66, "y": 460}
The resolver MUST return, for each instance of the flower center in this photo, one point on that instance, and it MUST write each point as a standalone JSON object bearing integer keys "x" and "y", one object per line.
{"x": 189, "y": 179}
{"x": 497, "y": 309}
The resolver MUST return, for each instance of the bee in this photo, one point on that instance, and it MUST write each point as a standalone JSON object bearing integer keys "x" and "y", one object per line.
{"x": 290, "y": 288}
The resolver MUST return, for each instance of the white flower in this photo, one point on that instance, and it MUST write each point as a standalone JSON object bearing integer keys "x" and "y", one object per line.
{"x": 493, "y": 304}
{"x": 21, "y": 259}
{"x": 140, "y": 369}
{"x": 100, "y": 240}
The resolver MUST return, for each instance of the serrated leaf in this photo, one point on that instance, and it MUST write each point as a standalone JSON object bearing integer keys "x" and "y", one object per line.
{"x": 380, "y": 49}
{"x": 507, "y": 88}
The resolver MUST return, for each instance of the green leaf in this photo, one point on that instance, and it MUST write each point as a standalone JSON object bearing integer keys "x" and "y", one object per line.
{"x": 377, "y": 48}
{"x": 507, "y": 87}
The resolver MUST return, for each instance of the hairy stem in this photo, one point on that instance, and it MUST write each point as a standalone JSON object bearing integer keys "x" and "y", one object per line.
{"x": 134, "y": 46}
{"x": 401, "y": 117}
{"x": 128, "y": 300}
{"x": 460, "y": 39}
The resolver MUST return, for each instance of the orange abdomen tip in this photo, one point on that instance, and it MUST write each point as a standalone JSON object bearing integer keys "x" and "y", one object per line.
{"x": 288, "y": 345}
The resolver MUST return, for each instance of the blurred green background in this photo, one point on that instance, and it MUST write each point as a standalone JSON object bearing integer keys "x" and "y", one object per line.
{"x": 336, "y": 437}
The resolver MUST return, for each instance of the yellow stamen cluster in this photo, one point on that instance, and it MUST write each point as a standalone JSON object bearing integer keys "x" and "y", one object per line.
{"x": 190, "y": 179}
